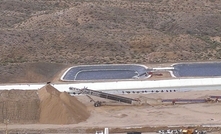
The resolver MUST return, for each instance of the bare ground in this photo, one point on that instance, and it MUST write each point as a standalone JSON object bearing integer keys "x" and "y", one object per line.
{"x": 40, "y": 39}
{"x": 151, "y": 116}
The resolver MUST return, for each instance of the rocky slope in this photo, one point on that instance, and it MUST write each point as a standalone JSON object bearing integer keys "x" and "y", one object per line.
{"x": 114, "y": 31}
{"x": 109, "y": 31}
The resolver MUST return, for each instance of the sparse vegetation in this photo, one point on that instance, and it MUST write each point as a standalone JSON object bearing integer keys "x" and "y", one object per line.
{"x": 100, "y": 31}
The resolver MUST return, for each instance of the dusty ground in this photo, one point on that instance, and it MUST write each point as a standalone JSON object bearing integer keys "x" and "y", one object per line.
{"x": 41, "y": 38}
{"x": 150, "y": 116}
{"x": 152, "y": 113}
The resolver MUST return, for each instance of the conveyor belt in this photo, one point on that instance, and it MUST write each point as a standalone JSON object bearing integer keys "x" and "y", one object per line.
{"x": 185, "y": 100}
{"x": 107, "y": 96}
{"x": 217, "y": 97}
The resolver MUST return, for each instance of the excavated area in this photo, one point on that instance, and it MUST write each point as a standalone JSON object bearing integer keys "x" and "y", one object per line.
{"x": 57, "y": 112}
{"x": 19, "y": 106}
{"x": 44, "y": 106}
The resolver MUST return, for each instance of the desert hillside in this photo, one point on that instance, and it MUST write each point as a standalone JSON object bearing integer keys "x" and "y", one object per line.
{"x": 113, "y": 31}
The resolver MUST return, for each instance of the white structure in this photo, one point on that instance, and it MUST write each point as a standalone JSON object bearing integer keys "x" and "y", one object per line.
{"x": 106, "y": 130}
{"x": 130, "y": 86}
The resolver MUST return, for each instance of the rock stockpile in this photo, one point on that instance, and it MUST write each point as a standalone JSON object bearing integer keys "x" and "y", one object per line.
{"x": 59, "y": 107}
{"x": 46, "y": 105}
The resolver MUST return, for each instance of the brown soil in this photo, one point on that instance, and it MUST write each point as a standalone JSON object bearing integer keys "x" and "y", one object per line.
{"x": 151, "y": 116}
{"x": 60, "y": 108}
{"x": 47, "y": 106}
{"x": 30, "y": 72}
{"x": 41, "y": 38}
{"x": 19, "y": 106}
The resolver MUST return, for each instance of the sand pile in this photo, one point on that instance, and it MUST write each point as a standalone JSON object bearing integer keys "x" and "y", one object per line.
{"x": 60, "y": 108}
{"x": 19, "y": 106}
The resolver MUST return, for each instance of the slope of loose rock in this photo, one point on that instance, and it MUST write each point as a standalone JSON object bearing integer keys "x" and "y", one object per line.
{"x": 60, "y": 108}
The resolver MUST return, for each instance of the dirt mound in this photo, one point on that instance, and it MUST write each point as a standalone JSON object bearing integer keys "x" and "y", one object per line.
{"x": 60, "y": 108}
{"x": 47, "y": 105}
{"x": 19, "y": 106}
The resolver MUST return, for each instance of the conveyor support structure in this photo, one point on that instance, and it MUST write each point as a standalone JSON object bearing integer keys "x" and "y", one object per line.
{"x": 107, "y": 96}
